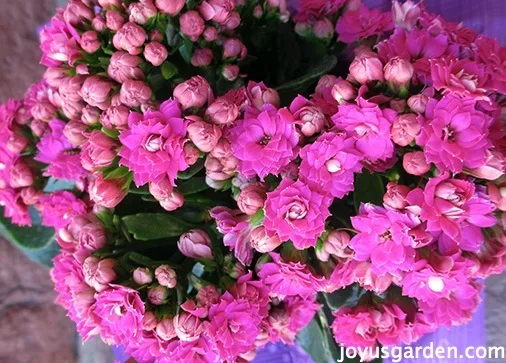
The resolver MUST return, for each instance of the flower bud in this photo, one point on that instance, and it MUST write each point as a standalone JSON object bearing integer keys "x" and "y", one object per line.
{"x": 54, "y": 75}
{"x": 158, "y": 295}
{"x": 90, "y": 42}
{"x": 77, "y": 13}
{"x": 98, "y": 152}
{"x": 251, "y": 199}
{"x": 30, "y": 195}
{"x": 218, "y": 11}
{"x": 192, "y": 25}
{"x": 114, "y": 20}
{"x": 210, "y": 34}
{"x": 337, "y": 244}
{"x": 174, "y": 201}
{"x": 107, "y": 193}
{"x": 262, "y": 242}
{"x": 405, "y": 128}
{"x": 99, "y": 273}
{"x": 497, "y": 194}
{"x": 323, "y": 29}
{"x": 310, "y": 120}
{"x": 230, "y": 72}
{"x": 343, "y": 91}
{"x": 93, "y": 236}
{"x": 494, "y": 166}
{"x": 366, "y": 68}
{"x": 149, "y": 322}
{"x": 170, "y": 7}
{"x": 98, "y": 23}
{"x": 140, "y": 12}
{"x": 38, "y": 127}
{"x": 418, "y": 103}
{"x": 155, "y": 53}
{"x": 16, "y": 143}
{"x": 109, "y": 4}
{"x": 74, "y": 132}
{"x": 115, "y": 117}
{"x": 96, "y": 92}
{"x": 156, "y": 35}
{"x": 405, "y": 15}
{"x": 208, "y": 295}
{"x": 222, "y": 112}
{"x": 134, "y": 93}
{"x": 205, "y": 136}
{"x": 90, "y": 115}
{"x": 195, "y": 92}
{"x": 188, "y": 327}
{"x": 124, "y": 66}
{"x": 414, "y": 163}
{"x": 161, "y": 190}
{"x": 21, "y": 175}
{"x": 166, "y": 276}
{"x": 258, "y": 12}
{"x": 165, "y": 329}
{"x": 142, "y": 276}
{"x": 130, "y": 38}
{"x": 258, "y": 95}
{"x": 398, "y": 72}
{"x": 195, "y": 244}
{"x": 191, "y": 153}
{"x": 234, "y": 48}
{"x": 398, "y": 105}
{"x": 202, "y": 57}
{"x": 395, "y": 196}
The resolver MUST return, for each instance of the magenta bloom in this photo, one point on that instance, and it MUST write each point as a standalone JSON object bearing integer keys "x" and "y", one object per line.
{"x": 55, "y": 150}
{"x": 148, "y": 347}
{"x": 253, "y": 291}
{"x": 121, "y": 312}
{"x": 329, "y": 164}
{"x": 153, "y": 144}
{"x": 202, "y": 350}
{"x": 265, "y": 142}
{"x": 288, "y": 278}
{"x": 295, "y": 212}
{"x": 455, "y": 134}
{"x": 301, "y": 311}
{"x": 59, "y": 208}
{"x": 362, "y": 23}
{"x": 59, "y": 43}
{"x": 319, "y": 7}
{"x": 458, "y": 209}
{"x": 234, "y": 326}
{"x": 370, "y": 127}
{"x": 387, "y": 238}
{"x": 14, "y": 208}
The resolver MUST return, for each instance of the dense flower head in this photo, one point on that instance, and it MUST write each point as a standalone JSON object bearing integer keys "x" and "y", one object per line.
{"x": 319, "y": 7}
{"x": 295, "y": 212}
{"x": 59, "y": 43}
{"x": 264, "y": 142}
{"x": 454, "y": 134}
{"x": 362, "y": 23}
{"x": 59, "y": 207}
{"x": 153, "y": 144}
{"x": 14, "y": 207}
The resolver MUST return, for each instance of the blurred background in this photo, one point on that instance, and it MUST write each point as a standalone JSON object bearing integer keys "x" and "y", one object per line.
{"x": 32, "y": 328}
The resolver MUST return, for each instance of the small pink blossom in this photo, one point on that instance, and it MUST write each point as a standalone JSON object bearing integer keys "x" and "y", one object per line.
{"x": 362, "y": 23}
{"x": 130, "y": 38}
{"x": 59, "y": 207}
{"x": 124, "y": 66}
{"x": 98, "y": 151}
{"x": 195, "y": 92}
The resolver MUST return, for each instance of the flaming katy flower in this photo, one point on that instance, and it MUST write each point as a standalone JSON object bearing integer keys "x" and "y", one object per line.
{"x": 295, "y": 212}
{"x": 319, "y": 7}
{"x": 153, "y": 144}
{"x": 362, "y": 23}
{"x": 59, "y": 208}
{"x": 265, "y": 142}
{"x": 14, "y": 207}
{"x": 454, "y": 135}
{"x": 59, "y": 43}
{"x": 329, "y": 164}
{"x": 253, "y": 291}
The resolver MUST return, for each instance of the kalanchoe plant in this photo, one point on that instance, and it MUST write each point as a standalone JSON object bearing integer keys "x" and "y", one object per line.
{"x": 216, "y": 180}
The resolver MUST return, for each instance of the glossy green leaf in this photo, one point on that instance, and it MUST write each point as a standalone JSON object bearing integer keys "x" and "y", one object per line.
{"x": 325, "y": 65}
{"x": 150, "y": 226}
{"x": 192, "y": 170}
{"x": 193, "y": 186}
{"x": 368, "y": 189}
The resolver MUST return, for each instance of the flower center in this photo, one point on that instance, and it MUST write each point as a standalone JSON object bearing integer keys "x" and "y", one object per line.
{"x": 333, "y": 166}
{"x": 265, "y": 140}
{"x": 448, "y": 134}
{"x": 436, "y": 283}
{"x": 153, "y": 143}
{"x": 386, "y": 236}
{"x": 296, "y": 211}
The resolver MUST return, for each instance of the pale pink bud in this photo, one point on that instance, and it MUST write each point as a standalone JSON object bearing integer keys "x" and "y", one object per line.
{"x": 108, "y": 4}
{"x": 134, "y": 93}
{"x": 155, "y": 53}
{"x": 38, "y": 127}
{"x": 251, "y": 199}
{"x": 90, "y": 42}
{"x": 114, "y": 20}
{"x": 303, "y": 28}
{"x": 74, "y": 132}
{"x": 365, "y": 69}
{"x": 405, "y": 128}
{"x": 323, "y": 29}
{"x": 405, "y": 15}
{"x": 161, "y": 190}
{"x": 493, "y": 168}
{"x": 21, "y": 175}
{"x": 497, "y": 194}
{"x": 202, "y": 57}
{"x": 166, "y": 276}
{"x": 54, "y": 76}
{"x": 90, "y": 115}
{"x": 234, "y": 48}
{"x": 107, "y": 192}
{"x": 395, "y": 196}
{"x": 233, "y": 21}
{"x": 217, "y": 171}
{"x": 156, "y": 35}
{"x": 93, "y": 236}
{"x": 130, "y": 38}
{"x": 165, "y": 329}
{"x": 174, "y": 201}
{"x": 191, "y": 153}
{"x": 98, "y": 23}
{"x": 262, "y": 242}
{"x": 158, "y": 295}
{"x": 195, "y": 92}
{"x": 140, "y": 12}
{"x": 196, "y": 244}
{"x": 310, "y": 120}
{"x": 30, "y": 195}
{"x": 142, "y": 276}
{"x": 418, "y": 103}
{"x": 192, "y": 25}
{"x": 97, "y": 92}
{"x": 76, "y": 13}
{"x": 208, "y": 295}
{"x": 188, "y": 327}
{"x": 16, "y": 143}
{"x": 171, "y": 7}
{"x": 124, "y": 66}
{"x": 222, "y": 112}
{"x": 326, "y": 81}
{"x": 210, "y": 34}
{"x": 258, "y": 95}
{"x": 205, "y": 136}
{"x": 43, "y": 110}
{"x": 82, "y": 69}
{"x": 115, "y": 117}
{"x": 337, "y": 244}
{"x": 149, "y": 322}
{"x": 414, "y": 163}
{"x": 99, "y": 273}
{"x": 343, "y": 91}
{"x": 398, "y": 71}
{"x": 230, "y": 72}
{"x": 218, "y": 11}
{"x": 98, "y": 151}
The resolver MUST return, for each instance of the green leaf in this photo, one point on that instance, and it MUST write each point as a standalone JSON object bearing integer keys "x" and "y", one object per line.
{"x": 169, "y": 70}
{"x": 343, "y": 297}
{"x": 368, "y": 189}
{"x": 186, "y": 50}
{"x": 113, "y": 134}
{"x": 257, "y": 218}
{"x": 315, "y": 342}
{"x": 193, "y": 186}
{"x": 149, "y": 226}
{"x": 192, "y": 170}
{"x": 325, "y": 65}
{"x": 117, "y": 173}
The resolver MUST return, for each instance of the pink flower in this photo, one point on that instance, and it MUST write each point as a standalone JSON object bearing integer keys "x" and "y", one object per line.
{"x": 295, "y": 212}
{"x": 195, "y": 92}
{"x": 205, "y": 136}
{"x": 222, "y": 111}
{"x": 14, "y": 207}
{"x": 192, "y": 25}
{"x": 414, "y": 163}
{"x": 59, "y": 207}
{"x": 201, "y": 350}
{"x": 264, "y": 142}
{"x": 362, "y": 23}
{"x": 219, "y": 11}
{"x": 93, "y": 236}
{"x": 124, "y": 66}
{"x": 114, "y": 20}
{"x": 196, "y": 244}
{"x": 59, "y": 43}
{"x": 319, "y": 7}
{"x": 202, "y": 57}
{"x": 188, "y": 327}
{"x": 142, "y": 11}
{"x": 221, "y": 164}
{"x": 251, "y": 199}
{"x": 288, "y": 278}
{"x": 90, "y": 42}
{"x": 234, "y": 48}
{"x": 370, "y": 127}
{"x": 155, "y": 53}
{"x": 407, "y": 14}
{"x": 121, "y": 311}
{"x": 494, "y": 167}
{"x": 134, "y": 93}
{"x": 366, "y": 68}
{"x": 300, "y": 311}
{"x": 166, "y": 276}
{"x": 398, "y": 72}
{"x": 98, "y": 152}
{"x": 386, "y": 239}
{"x": 142, "y": 275}
{"x": 263, "y": 242}
{"x": 234, "y": 326}
{"x": 107, "y": 193}
{"x": 405, "y": 128}
{"x": 253, "y": 291}
{"x": 130, "y": 38}
{"x": 497, "y": 194}
{"x": 329, "y": 164}
{"x": 454, "y": 135}
{"x": 171, "y": 7}
{"x": 153, "y": 144}
{"x": 395, "y": 196}
{"x": 97, "y": 92}
{"x": 258, "y": 94}
{"x": 99, "y": 273}
{"x": 336, "y": 243}
{"x": 308, "y": 116}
